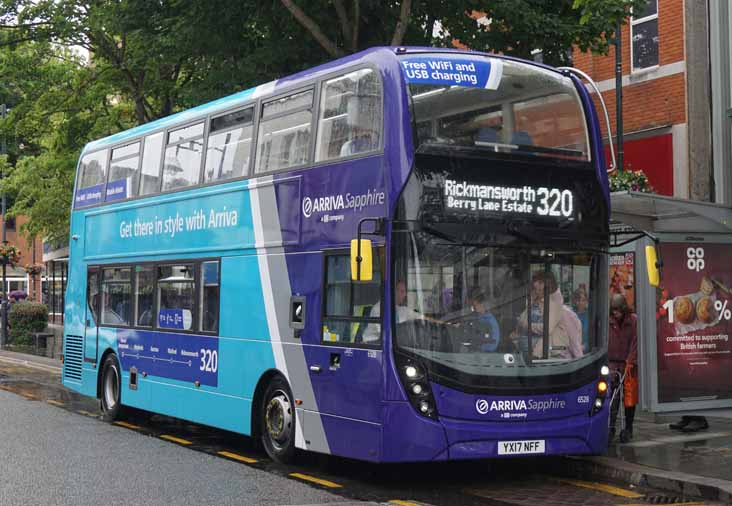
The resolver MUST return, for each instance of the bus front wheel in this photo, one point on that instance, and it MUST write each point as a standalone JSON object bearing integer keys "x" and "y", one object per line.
{"x": 111, "y": 387}
{"x": 277, "y": 421}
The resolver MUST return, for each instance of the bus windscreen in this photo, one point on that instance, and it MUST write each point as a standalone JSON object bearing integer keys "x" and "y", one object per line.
{"x": 472, "y": 102}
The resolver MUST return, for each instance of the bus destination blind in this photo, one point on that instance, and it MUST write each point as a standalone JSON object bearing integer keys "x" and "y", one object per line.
{"x": 463, "y": 196}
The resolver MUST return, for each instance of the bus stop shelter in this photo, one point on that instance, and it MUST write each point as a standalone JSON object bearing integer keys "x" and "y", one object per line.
{"x": 684, "y": 348}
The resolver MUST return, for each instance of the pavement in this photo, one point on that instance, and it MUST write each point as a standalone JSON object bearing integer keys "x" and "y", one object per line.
{"x": 680, "y": 465}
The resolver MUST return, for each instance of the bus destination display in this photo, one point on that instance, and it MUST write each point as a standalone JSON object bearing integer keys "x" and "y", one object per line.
{"x": 529, "y": 200}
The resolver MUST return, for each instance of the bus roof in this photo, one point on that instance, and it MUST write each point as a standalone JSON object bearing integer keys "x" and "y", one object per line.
{"x": 376, "y": 55}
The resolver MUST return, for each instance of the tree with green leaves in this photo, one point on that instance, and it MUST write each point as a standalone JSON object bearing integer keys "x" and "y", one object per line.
{"x": 147, "y": 59}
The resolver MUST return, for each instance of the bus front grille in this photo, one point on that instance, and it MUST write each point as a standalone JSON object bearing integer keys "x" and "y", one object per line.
{"x": 73, "y": 357}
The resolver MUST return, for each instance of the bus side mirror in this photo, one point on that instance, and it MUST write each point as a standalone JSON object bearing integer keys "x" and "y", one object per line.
{"x": 362, "y": 262}
{"x": 652, "y": 266}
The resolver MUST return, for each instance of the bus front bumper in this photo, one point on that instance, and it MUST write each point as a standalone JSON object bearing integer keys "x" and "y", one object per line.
{"x": 410, "y": 437}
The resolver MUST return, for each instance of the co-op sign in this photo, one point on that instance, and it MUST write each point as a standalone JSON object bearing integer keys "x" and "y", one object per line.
{"x": 340, "y": 202}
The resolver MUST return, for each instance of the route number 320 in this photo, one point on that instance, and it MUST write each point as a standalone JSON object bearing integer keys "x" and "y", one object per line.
{"x": 554, "y": 202}
{"x": 209, "y": 360}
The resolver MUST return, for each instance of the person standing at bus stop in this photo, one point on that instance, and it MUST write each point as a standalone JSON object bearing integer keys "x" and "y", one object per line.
{"x": 622, "y": 353}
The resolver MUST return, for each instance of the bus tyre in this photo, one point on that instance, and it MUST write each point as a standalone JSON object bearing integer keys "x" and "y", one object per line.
{"x": 111, "y": 387}
{"x": 277, "y": 421}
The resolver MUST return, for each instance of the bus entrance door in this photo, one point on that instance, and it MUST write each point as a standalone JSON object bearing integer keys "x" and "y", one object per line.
{"x": 347, "y": 381}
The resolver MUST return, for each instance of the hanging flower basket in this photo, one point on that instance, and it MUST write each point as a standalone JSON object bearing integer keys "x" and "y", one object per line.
{"x": 9, "y": 255}
{"x": 630, "y": 180}
{"x": 34, "y": 269}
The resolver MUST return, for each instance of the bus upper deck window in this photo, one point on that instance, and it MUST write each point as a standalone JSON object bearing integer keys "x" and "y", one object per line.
{"x": 350, "y": 115}
{"x": 229, "y": 146}
{"x": 150, "y": 178}
{"x": 182, "y": 165}
{"x": 123, "y": 171}
{"x": 284, "y": 132}
{"x": 92, "y": 176}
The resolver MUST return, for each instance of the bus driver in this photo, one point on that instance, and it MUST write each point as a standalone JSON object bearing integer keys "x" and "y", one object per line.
{"x": 403, "y": 313}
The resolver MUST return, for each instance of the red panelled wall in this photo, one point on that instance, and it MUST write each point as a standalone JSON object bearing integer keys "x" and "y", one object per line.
{"x": 654, "y": 156}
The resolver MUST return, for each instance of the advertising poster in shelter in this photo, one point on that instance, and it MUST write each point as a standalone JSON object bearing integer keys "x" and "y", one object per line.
{"x": 694, "y": 322}
{"x": 622, "y": 277}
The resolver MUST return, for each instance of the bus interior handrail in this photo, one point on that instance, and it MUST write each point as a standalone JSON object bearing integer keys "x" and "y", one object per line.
{"x": 613, "y": 164}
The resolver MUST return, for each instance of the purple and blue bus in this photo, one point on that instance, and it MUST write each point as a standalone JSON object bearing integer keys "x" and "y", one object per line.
{"x": 212, "y": 276}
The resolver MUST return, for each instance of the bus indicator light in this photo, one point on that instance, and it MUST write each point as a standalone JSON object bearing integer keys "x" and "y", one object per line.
{"x": 602, "y": 387}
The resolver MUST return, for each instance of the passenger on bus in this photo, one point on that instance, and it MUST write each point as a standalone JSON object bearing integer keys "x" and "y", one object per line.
{"x": 363, "y": 131}
{"x": 109, "y": 315}
{"x": 565, "y": 329}
{"x": 579, "y": 303}
{"x": 478, "y": 304}
{"x": 361, "y": 140}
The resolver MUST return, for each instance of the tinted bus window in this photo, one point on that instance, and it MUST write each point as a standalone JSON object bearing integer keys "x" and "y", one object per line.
{"x": 92, "y": 176}
{"x": 123, "y": 172}
{"x": 284, "y": 132}
{"x": 209, "y": 306}
{"x": 350, "y": 115}
{"x": 183, "y": 157}
{"x": 352, "y": 310}
{"x": 150, "y": 180}
{"x": 229, "y": 146}
{"x": 116, "y": 294}
{"x": 176, "y": 297}
{"x": 145, "y": 283}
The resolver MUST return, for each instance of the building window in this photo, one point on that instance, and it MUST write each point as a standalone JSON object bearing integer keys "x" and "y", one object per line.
{"x": 644, "y": 36}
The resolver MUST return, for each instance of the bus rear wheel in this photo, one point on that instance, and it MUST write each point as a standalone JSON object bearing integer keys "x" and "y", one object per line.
{"x": 111, "y": 388}
{"x": 277, "y": 421}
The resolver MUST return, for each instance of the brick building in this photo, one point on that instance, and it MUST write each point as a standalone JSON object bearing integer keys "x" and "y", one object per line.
{"x": 656, "y": 98}
{"x": 31, "y": 253}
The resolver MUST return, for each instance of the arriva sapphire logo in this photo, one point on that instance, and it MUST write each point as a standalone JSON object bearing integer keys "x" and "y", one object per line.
{"x": 307, "y": 207}
{"x": 483, "y": 406}
{"x": 335, "y": 203}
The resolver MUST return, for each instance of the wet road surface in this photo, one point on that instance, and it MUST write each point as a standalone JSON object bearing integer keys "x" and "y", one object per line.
{"x": 479, "y": 483}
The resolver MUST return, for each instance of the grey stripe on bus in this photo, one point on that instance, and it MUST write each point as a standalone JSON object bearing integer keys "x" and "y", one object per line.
{"x": 294, "y": 356}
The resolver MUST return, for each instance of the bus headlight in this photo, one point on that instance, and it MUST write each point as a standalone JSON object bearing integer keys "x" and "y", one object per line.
{"x": 605, "y": 370}
{"x": 414, "y": 378}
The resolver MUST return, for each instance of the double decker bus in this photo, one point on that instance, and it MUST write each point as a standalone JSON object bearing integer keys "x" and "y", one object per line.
{"x": 397, "y": 256}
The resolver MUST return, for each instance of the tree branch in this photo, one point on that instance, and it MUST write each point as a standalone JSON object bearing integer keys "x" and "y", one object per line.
{"x": 401, "y": 26}
{"x": 356, "y": 19}
{"x": 343, "y": 17}
{"x": 311, "y": 26}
